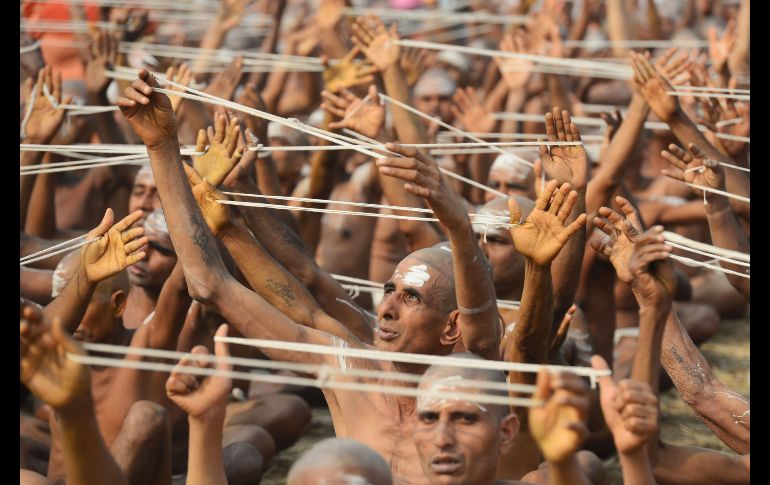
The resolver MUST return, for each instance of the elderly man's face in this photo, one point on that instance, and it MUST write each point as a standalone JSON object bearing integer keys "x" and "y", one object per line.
{"x": 436, "y": 105}
{"x": 410, "y": 314}
{"x": 510, "y": 182}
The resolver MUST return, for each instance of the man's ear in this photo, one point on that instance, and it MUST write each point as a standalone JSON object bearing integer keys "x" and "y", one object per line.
{"x": 451, "y": 334}
{"x": 509, "y": 428}
{"x": 118, "y": 303}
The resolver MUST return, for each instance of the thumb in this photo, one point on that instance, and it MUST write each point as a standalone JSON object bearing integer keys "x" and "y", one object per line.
{"x": 104, "y": 226}
{"x": 513, "y": 208}
{"x": 222, "y": 349}
{"x": 598, "y": 363}
{"x": 543, "y": 383}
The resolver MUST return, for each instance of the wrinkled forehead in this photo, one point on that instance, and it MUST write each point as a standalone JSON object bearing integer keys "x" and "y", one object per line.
{"x": 421, "y": 271}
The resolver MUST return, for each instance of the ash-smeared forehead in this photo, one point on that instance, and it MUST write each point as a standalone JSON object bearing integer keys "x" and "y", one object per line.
{"x": 430, "y": 271}
{"x": 511, "y": 167}
{"x": 144, "y": 173}
{"x": 440, "y": 378}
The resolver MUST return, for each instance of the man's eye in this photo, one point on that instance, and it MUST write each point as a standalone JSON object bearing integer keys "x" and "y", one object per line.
{"x": 468, "y": 418}
{"x": 428, "y": 417}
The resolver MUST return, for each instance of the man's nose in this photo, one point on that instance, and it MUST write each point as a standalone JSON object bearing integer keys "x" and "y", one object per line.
{"x": 388, "y": 308}
{"x": 443, "y": 436}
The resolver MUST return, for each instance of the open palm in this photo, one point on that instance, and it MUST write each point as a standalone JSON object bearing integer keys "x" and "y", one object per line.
{"x": 620, "y": 233}
{"x": 116, "y": 249}
{"x": 542, "y": 235}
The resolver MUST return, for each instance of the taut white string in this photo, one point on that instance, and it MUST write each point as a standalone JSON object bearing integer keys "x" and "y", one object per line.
{"x": 427, "y": 14}
{"x": 447, "y": 126}
{"x": 704, "y": 253}
{"x": 711, "y": 250}
{"x": 96, "y": 161}
{"x": 692, "y": 262}
{"x": 292, "y": 366}
{"x": 697, "y": 94}
{"x": 304, "y": 381}
{"x": 410, "y": 358}
{"x": 720, "y": 192}
{"x": 63, "y": 250}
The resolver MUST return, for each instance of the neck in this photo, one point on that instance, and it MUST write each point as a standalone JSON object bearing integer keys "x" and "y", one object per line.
{"x": 144, "y": 298}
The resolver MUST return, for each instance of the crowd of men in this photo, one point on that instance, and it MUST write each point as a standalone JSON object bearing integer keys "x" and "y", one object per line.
{"x": 567, "y": 251}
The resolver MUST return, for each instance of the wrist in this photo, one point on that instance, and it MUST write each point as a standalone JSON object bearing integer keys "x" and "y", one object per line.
{"x": 716, "y": 204}
{"x": 230, "y": 231}
{"x": 167, "y": 146}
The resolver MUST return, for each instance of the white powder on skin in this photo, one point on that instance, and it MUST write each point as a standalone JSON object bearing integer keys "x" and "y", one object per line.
{"x": 443, "y": 385}
{"x": 417, "y": 275}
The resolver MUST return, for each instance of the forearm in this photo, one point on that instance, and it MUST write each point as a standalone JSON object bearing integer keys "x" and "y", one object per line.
{"x": 652, "y": 322}
{"x": 269, "y": 45}
{"x": 322, "y": 178}
{"x": 531, "y": 336}
{"x": 27, "y": 182}
{"x": 739, "y": 59}
{"x": 205, "y": 465}
{"x": 613, "y": 167}
{"x": 724, "y": 412}
{"x": 565, "y": 270}
{"x": 727, "y": 233}
{"x": 212, "y": 40}
{"x": 636, "y": 468}
{"x": 558, "y": 91}
{"x": 331, "y": 43}
{"x": 653, "y": 21}
{"x": 514, "y": 104}
{"x": 41, "y": 212}
{"x": 692, "y": 212}
{"x": 170, "y": 312}
{"x": 476, "y": 298}
{"x": 71, "y": 305}
{"x": 618, "y": 27}
{"x": 87, "y": 460}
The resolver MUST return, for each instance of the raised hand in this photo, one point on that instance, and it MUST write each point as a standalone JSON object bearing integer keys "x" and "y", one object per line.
{"x": 231, "y": 13}
{"x": 217, "y": 215}
{"x": 653, "y": 86}
{"x": 469, "y": 109}
{"x": 695, "y": 167}
{"x": 222, "y": 156}
{"x": 44, "y": 119}
{"x": 365, "y": 118}
{"x": 117, "y": 248}
{"x": 244, "y": 169}
{"x": 302, "y": 42}
{"x": 133, "y": 21}
{"x": 423, "y": 179}
{"x": 181, "y": 75}
{"x": 198, "y": 395}
{"x": 376, "y": 42}
{"x": 564, "y": 163}
{"x": 43, "y": 364}
{"x": 348, "y": 73}
{"x": 559, "y": 426}
{"x": 675, "y": 68}
{"x": 515, "y": 72}
{"x": 621, "y": 230}
{"x": 150, "y": 114}
{"x": 413, "y": 62}
{"x": 630, "y": 409}
{"x": 654, "y": 279}
{"x": 543, "y": 234}
{"x": 101, "y": 58}
{"x": 225, "y": 82}
{"x": 721, "y": 47}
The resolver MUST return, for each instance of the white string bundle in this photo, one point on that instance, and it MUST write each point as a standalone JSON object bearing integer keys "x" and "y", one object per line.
{"x": 715, "y": 253}
{"x": 433, "y": 15}
{"x": 63, "y": 247}
{"x": 82, "y": 164}
{"x": 410, "y": 358}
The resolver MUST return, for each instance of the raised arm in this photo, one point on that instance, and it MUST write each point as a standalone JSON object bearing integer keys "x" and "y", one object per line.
{"x": 265, "y": 275}
{"x": 695, "y": 167}
{"x": 117, "y": 249}
{"x": 151, "y": 116}
{"x": 653, "y": 87}
{"x": 476, "y": 300}
{"x": 204, "y": 399}
{"x": 65, "y": 386}
{"x": 566, "y": 164}
{"x": 539, "y": 239}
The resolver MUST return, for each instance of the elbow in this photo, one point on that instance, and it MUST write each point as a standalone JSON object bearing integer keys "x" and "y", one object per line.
{"x": 204, "y": 288}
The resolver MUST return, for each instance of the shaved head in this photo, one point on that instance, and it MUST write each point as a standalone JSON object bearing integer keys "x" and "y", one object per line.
{"x": 436, "y": 261}
{"x": 340, "y": 461}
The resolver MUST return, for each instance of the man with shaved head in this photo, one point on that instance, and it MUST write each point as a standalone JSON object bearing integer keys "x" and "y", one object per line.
{"x": 461, "y": 441}
{"x": 339, "y": 461}
{"x": 417, "y": 313}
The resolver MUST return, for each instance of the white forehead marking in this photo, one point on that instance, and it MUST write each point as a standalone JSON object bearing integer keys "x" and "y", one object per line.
{"x": 417, "y": 275}
{"x": 442, "y": 385}
{"x": 351, "y": 479}
{"x": 446, "y": 248}
{"x": 511, "y": 166}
